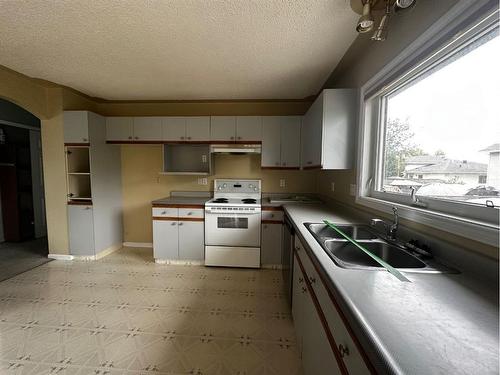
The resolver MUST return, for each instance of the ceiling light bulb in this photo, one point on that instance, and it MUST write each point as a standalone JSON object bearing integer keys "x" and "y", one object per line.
{"x": 365, "y": 22}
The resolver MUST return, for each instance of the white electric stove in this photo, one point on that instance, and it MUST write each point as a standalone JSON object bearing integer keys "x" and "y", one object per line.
{"x": 232, "y": 224}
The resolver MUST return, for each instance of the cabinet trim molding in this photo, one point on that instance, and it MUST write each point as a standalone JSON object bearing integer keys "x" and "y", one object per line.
{"x": 281, "y": 168}
{"x": 271, "y": 222}
{"x": 80, "y": 203}
{"x": 272, "y": 208}
{"x": 313, "y": 167}
{"x": 84, "y": 144}
{"x": 166, "y": 218}
{"x": 322, "y": 318}
{"x": 337, "y": 307}
{"x": 166, "y": 205}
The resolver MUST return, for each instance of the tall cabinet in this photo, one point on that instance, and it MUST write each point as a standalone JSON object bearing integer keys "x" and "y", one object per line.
{"x": 93, "y": 173}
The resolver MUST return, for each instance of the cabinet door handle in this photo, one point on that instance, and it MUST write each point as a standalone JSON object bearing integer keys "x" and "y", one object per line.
{"x": 87, "y": 208}
{"x": 272, "y": 215}
{"x": 239, "y": 137}
{"x": 301, "y": 280}
{"x": 189, "y": 213}
{"x": 136, "y": 137}
{"x": 85, "y": 139}
{"x": 188, "y": 137}
{"x": 182, "y": 137}
{"x": 232, "y": 138}
{"x": 181, "y": 224}
{"x": 130, "y": 137}
{"x": 164, "y": 213}
{"x": 173, "y": 223}
{"x": 304, "y": 289}
{"x": 343, "y": 350}
{"x": 309, "y": 162}
{"x": 70, "y": 194}
{"x": 312, "y": 280}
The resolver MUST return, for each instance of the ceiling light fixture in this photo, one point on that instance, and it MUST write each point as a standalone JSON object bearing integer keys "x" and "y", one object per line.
{"x": 401, "y": 5}
{"x": 365, "y": 22}
{"x": 381, "y": 33}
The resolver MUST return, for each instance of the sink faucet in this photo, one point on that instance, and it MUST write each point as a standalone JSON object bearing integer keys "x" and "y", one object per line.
{"x": 390, "y": 229}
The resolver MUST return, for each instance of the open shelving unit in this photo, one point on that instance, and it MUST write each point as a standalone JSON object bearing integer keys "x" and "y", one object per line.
{"x": 78, "y": 174}
{"x": 189, "y": 159}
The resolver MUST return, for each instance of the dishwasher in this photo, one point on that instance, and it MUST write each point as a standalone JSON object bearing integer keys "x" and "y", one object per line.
{"x": 287, "y": 258}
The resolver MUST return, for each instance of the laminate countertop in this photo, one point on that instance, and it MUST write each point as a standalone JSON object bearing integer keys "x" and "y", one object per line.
{"x": 181, "y": 201}
{"x": 434, "y": 324}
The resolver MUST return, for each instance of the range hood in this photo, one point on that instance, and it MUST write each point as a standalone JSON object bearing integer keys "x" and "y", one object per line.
{"x": 235, "y": 149}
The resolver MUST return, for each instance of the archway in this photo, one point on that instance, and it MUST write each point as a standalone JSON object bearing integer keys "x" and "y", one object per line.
{"x": 23, "y": 228}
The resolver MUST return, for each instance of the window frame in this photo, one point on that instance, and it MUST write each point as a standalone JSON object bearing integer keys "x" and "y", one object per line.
{"x": 462, "y": 25}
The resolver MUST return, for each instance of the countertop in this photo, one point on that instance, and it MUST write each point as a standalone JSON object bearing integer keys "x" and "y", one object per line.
{"x": 194, "y": 200}
{"x": 435, "y": 324}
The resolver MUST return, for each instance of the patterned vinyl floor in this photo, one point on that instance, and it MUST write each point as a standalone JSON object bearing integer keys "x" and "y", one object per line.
{"x": 124, "y": 314}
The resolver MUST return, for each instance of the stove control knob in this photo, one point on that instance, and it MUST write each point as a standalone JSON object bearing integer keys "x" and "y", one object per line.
{"x": 251, "y": 186}
{"x": 255, "y": 188}
{"x": 224, "y": 186}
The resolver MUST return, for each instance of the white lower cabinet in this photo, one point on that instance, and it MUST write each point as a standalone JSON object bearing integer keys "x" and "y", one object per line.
{"x": 191, "y": 240}
{"x": 271, "y": 244}
{"x": 165, "y": 239}
{"x": 81, "y": 230}
{"x": 317, "y": 353}
{"x": 178, "y": 234}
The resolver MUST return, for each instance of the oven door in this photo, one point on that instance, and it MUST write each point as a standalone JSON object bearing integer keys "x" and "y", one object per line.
{"x": 232, "y": 229}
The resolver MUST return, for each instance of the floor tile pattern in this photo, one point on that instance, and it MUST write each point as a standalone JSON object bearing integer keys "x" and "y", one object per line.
{"x": 124, "y": 314}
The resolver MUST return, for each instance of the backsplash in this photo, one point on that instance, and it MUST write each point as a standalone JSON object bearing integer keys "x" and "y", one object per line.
{"x": 142, "y": 183}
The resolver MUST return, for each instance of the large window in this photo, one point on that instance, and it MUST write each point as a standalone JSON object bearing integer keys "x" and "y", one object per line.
{"x": 430, "y": 136}
{"x": 442, "y": 130}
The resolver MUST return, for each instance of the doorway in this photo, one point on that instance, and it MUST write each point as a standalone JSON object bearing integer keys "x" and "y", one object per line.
{"x": 23, "y": 228}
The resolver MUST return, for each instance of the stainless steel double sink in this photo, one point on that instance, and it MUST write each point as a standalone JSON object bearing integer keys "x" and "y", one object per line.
{"x": 347, "y": 255}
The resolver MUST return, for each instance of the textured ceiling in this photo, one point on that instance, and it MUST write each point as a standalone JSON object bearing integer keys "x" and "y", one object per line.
{"x": 178, "y": 49}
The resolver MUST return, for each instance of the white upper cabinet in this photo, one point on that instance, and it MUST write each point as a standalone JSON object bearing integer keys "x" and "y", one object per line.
{"x": 76, "y": 128}
{"x": 174, "y": 129}
{"x": 120, "y": 129}
{"x": 249, "y": 128}
{"x": 328, "y": 130}
{"x": 147, "y": 128}
{"x": 198, "y": 129}
{"x": 223, "y": 128}
{"x": 290, "y": 141}
{"x": 281, "y": 141}
{"x": 271, "y": 141}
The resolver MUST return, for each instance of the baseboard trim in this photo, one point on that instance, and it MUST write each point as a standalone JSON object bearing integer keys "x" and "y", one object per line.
{"x": 148, "y": 245}
{"x": 272, "y": 266}
{"x": 61, "y": 256}
{"x": 107, "y": 251}
{"x": 178, "y": 262}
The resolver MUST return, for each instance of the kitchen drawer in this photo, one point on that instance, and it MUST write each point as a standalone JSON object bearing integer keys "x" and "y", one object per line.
{"x": 191, "y": 213}
{"x": 165, "y": 212}
{"x": 272, "y": 215}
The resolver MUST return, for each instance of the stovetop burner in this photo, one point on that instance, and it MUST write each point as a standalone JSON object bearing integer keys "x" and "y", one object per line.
{"x": 249, "y": 201}
{"x": 220, "y": 200}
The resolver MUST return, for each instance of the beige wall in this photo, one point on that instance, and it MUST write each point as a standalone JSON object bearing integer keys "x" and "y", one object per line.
{"x": 46, "y": 103}
{"x": 142, "y": 183}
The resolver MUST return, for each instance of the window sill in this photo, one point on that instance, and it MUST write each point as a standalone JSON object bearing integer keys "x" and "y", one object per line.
{"x": 475, "y": 230}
